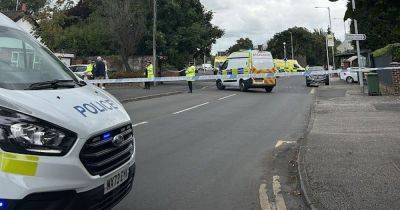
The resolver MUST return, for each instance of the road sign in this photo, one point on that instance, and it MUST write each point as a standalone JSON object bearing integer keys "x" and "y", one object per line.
{"x": 331, "y": 40}
{"x": 356, "y": 37}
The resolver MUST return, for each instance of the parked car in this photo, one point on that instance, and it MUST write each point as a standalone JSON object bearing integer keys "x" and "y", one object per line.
{"x": 314, "y": 78}
{"x": 79, "y": 70}
{"x": 349, "y": 75}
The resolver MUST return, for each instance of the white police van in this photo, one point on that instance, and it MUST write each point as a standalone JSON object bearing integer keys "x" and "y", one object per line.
{"x": 64, "y": 144}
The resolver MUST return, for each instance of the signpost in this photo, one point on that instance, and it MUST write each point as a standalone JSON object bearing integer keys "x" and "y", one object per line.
{"x": 356, "y": 37}
{"x": 331, "y": 40}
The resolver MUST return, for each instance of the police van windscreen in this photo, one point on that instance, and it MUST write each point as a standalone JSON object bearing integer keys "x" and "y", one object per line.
{"x": 263, "y": 63}
{"x": 24, "y": 62}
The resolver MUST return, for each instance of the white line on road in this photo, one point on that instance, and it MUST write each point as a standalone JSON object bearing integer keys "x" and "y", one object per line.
{"x": 264, "y": 202}
{"x": 281, "y": 142}
{"x": 193, "y": 107}
{"x": 142, "y": 123}
{"x": 280, "y": 202}
{"x": 226, "y": 97}
{"x": 312, "y": 92}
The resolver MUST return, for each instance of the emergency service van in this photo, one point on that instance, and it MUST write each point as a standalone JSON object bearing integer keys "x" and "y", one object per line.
{"x": 64, "y": 144}
{"x": 246, "y": 64}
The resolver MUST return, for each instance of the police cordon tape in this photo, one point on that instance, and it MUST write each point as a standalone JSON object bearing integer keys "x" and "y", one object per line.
{"x": 231, "y": 77}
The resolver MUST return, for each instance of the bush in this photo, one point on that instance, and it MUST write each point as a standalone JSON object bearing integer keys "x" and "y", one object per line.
{"x": 391, "y": 49}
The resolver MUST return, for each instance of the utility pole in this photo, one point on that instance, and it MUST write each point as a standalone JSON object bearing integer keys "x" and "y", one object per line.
{"x": 16, "y": 6}
{"x": 330, "y": 29}
{"x": 291, "y": 41}
{"x": 154, "y": 38}
{"x": 284, "y": 54}
{"x": 360, "y": 77}
{"x": 327, "y": 51}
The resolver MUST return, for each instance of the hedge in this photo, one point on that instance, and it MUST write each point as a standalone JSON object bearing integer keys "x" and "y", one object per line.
{"x": 391, "y": 49}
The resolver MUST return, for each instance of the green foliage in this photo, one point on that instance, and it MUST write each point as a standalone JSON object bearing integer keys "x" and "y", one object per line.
{"x": 184, "y": 31}
{"x": 33, "y": 5}
{"x": 310, "y": 45}
{"x": 378, "y": 19}
{"x": 241, "y": 44}
{"x": 391, "y": 49}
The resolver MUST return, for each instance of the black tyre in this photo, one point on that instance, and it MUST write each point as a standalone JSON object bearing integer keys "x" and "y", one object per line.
{"x": 349, "y": 80}
{"x": 269, "y": 89}
{"x": 220, "y": 86}
{"x": 243, "y": 86}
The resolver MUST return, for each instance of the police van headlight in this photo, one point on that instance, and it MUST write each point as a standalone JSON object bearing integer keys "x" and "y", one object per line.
{"x": 20, "y": 133}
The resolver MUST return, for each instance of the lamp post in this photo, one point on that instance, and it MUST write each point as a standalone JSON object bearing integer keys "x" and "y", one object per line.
{"x": 154, "y": 37}
{"x": 361, "y": 78}
{"x": 330, "y": 29}
{"x": 291, "y": 42}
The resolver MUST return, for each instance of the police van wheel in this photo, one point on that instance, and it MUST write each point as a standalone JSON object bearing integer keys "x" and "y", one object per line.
{"x": 220, "y": 86}
{"x": 243, "y": 86}
{"x": 269, "y": 89}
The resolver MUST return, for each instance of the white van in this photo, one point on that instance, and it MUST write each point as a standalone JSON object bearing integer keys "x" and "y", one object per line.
{"x": 64, "y": 144}
{"x": 247, "y": 63}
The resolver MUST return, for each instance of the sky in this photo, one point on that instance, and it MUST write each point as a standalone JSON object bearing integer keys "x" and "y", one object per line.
{"x": 259, "y": 20}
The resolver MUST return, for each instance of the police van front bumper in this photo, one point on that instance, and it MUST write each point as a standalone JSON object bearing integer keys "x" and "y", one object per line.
{"x": 71, "y": 200}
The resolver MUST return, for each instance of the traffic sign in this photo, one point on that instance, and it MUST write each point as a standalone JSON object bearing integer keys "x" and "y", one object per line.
{"x": 331, "y": 40}
{"x": 356, "y": 37}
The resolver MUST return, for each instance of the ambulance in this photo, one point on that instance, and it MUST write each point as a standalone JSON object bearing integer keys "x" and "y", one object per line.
{"x": 64, "y": 144}
{"x": 245, "y": 64}
{"x": 288, "y": 66}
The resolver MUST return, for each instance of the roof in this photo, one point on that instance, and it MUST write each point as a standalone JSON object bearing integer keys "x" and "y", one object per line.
{"x": 7, "y": 22}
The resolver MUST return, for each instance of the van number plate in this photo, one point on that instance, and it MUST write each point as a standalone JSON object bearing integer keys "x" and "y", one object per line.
{"x": 116, "y": 180}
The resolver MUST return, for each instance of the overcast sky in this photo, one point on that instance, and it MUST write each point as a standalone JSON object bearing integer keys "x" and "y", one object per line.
{"x": 259, "y": 20}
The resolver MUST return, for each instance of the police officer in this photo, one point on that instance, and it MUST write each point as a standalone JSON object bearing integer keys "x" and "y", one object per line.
{"x": 89, "y": 70}
{"x": 149, "y": 74}
{"x": 190, "y": 74}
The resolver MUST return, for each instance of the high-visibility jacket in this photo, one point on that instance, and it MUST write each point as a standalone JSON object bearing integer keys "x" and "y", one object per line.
{"x": 89, "y": 69}
{"x": 190, "y": 73}
{"x": 150, "y": 71}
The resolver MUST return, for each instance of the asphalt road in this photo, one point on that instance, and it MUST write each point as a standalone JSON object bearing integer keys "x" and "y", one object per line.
{"x": 210, "y": 149}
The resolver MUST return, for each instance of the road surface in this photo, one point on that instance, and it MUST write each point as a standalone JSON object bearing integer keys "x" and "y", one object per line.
{"x": 210, "y": 149}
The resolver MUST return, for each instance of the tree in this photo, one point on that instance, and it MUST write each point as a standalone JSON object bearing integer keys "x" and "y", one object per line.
{"x": 184, "y": 31}
{"x": 379, "y": 20}
{"x": 241, "y": 44}
{"x": 310, "y": 45}
{"x": 126, "y": 24}
{"x": 33, "y": 5}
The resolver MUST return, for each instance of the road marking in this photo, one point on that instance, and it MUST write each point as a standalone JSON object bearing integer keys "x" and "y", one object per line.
{"x": 281, "y": 142}
{"x": 205, "y": 87}
{"x": 142, "y": 123}
{"x": 264, "y": 202}
{"x": 280, "y": 202}
{"x": 226, "y": 97}
{"x": 312, "y": 92}
{"x": 193, "y": 107}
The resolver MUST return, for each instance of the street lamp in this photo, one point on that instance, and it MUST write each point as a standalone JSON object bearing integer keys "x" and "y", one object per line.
{"x": 284, "y": 51}
{"x": 291, "y": 42}
{"x": 330, "y": 30}
{"x": 154, "y": 37}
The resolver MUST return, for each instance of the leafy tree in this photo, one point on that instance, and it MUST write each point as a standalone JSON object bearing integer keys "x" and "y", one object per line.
{"x": 33, "y": 5}
{"x": 241, "y": 44}
{"x": 379, "y": 20}
{"x": 184, "y": 31}
{"x": 126, "y": 23}
{"x": 306, "y": 44}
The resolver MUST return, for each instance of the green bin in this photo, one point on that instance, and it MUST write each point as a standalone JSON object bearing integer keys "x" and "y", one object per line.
{"x": 373, "y": 84}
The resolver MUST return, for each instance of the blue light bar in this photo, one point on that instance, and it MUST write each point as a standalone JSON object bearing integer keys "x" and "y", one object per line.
{"x": 106, "y": 136}
{"x": 3, "y": 204}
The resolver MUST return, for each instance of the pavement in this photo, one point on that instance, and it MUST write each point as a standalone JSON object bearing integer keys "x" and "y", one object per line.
{"x": 350, "y": 158}
{"x": 216, "y": 149}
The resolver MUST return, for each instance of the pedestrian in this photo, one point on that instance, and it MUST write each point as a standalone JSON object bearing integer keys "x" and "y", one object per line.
{"x": 100, "y": 71}
{"x": 149, "y": 73}
{"x": 89, "y": 70}
{"x": 190, "y": 74}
